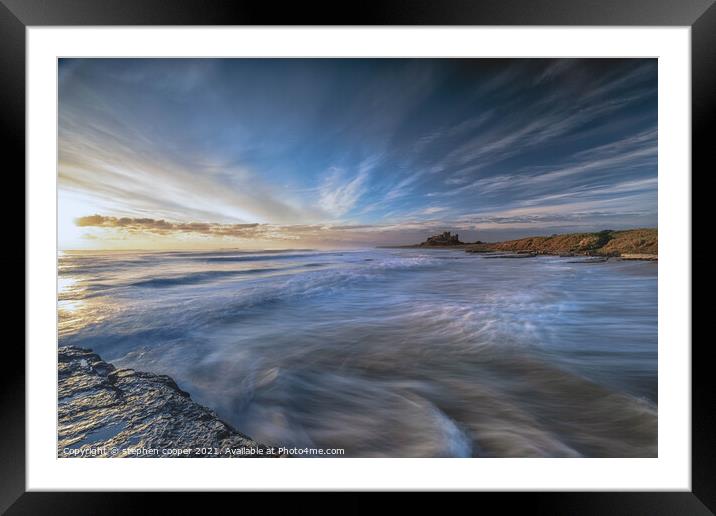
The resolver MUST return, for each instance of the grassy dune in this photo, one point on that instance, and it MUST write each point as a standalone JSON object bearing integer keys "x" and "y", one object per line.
{"x": 603, "y": 243}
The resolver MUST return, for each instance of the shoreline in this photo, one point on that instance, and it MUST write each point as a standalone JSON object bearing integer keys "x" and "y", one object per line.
{"x": 630, "y": 244}
{"x": 524, "y": 254}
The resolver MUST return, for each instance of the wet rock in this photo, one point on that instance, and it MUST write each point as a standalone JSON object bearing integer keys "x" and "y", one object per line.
{"x": 103, "y": 411}
{"x": 528, "y": 254}
{"x": 602, "y": 259}
{"x": 639, "y": 256}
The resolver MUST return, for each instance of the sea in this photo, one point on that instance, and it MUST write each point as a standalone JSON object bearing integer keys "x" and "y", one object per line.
{"x": 386, "y": 352}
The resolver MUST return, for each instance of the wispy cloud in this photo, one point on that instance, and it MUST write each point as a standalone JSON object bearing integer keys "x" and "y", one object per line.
{"x": 581, "y": 168}
{"x": 339, "y": 194}
{"x": 341, "y": 149}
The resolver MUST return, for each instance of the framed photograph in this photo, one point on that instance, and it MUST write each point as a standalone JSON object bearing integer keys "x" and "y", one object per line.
{"x": 423, "y": 248}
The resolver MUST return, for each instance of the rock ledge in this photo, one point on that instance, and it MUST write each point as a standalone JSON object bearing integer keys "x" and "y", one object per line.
{"x": 108, "y": 412}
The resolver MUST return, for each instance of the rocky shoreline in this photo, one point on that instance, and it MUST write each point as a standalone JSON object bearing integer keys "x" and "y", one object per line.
{"x": 108, "y": 412}
{"x": 631, "y": 244}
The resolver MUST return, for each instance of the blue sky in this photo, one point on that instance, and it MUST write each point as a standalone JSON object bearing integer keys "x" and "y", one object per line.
{"x": 340, "y": 152}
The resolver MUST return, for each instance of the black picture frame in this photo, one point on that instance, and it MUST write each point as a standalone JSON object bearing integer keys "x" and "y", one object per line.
{"x": 700, "y": 15}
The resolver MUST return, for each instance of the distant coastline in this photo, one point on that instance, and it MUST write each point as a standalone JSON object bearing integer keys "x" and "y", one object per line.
{"x": 630, "y": 244}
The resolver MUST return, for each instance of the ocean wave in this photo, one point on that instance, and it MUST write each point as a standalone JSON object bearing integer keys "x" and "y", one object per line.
{"x": 391, "y": 353}
{"x": 256, "y": 257}
{"x": 199, "y": 277}
{"x": 499, "y": 404}
{"x": 204, "y": 254}
{"x": 215, "y": 302}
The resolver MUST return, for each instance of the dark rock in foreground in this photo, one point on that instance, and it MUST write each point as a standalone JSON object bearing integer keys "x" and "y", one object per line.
{"x": 108, "y": 412}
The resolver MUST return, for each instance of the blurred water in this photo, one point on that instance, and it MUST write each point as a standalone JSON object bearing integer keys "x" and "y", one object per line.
{"x": 386, "y": 352}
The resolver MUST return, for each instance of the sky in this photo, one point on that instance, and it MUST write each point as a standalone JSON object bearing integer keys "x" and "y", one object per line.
{"x": 329, "y": 153}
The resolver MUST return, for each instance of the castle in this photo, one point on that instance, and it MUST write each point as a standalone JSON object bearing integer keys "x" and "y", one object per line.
{"x": 446, "y": 238}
